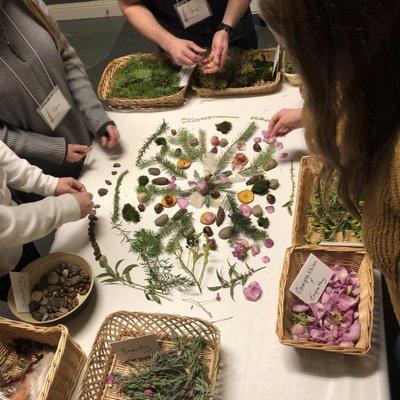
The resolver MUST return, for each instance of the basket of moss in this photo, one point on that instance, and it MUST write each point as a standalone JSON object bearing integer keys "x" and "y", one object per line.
{"x": 245, "y": 72}
{"x": 184, "y": 367}
{"x": 320, "y": 217}
{"x": 290, "y": 74}
{"x": 141, "y": 80}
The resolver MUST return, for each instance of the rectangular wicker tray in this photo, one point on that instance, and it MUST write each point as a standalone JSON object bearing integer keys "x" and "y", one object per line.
{"x": 310, "y": 169}
{"x": 122, "y": 324}
{"x": 252, "y": 90}
{"x": 67, "y": 362}
{"x": 353, "y": 258}
{"x": 106, "y": 81}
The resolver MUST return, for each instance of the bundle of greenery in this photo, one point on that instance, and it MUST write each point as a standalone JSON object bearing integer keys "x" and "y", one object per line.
{"x": 243, "y": 68}
{"x": 146, "y": 78}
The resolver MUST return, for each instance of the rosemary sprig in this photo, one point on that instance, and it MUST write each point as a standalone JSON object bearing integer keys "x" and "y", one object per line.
{"x": 170, "y": 168}
{"x": 225, "y": 158}
{"x": 288, "y": 205}
{"x": 116, "y": 206}
{"x": 160, "y": 131}
{"x": 242, "y": 225}
{"x": 235, "y": 278}
{"x": 256, "y": 166}
{"x": 202, "y": 149}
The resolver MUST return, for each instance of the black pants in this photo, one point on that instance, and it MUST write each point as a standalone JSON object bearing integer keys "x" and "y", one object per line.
{"x": 29, "y": 254}
{"x": 243, "y": 36}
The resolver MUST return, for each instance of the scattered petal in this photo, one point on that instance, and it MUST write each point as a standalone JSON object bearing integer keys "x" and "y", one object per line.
{"x": 183, "y": 203}
{"x": 265, "y": 259}
{"x": 255, "y": 250}
{"x": 283, "y": 156}
{"x": 270, "y": 209}
{"x": 257, "y": 139}
{"x": 245, "y": 209}
{"x": 253, "y": 291}
{"x": 279, "y": 145}
{"x": 268, "y": 243}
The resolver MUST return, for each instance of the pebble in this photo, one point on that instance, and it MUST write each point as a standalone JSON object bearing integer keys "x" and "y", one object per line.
{"x": 270, "y": 164}
{"x": 178, "y": 152}
{"x": 53, "y": 278}
{"x": 257, "y": 211}
{"x": 158, "y": 208}
{"x": 37, "y": 316}
{"x": 141, "y": 207}
{"x": 273, "y": 184}
{"x": 226, "y": 233}
{"x": 154, "y": 171}
{"x": 189, "y": 232}
{"x": 37, "y": 295}
{"x": 194, "y": 142}
{"x": 116, "y": 165}
{"x": 160, "y": 181}
{"x": 271, "y": 199}
{"x": 143, "y": 197}
{"x": 215, "y": 194}
{"x": 45, "y": 317}
{"x": 220, "y": 216}
{"x": 256, "y": 147}
{"x": 173, "y": 132}
{"x": 102, "y": 192}
{"x": 64, "y": 310}
{"x": 65, "y": 273}
{"x": 114, "y": 172}
{"x": 108, "y": 182}
{"x": 223, "y": 142}
{"x": 33, "y": 306}
{"x": 208, "y": 231}
{"x": 214, "y": 150}
{"x": 161, "y": 220}
{"x": 252, "y": 180}
{"x": 75, "y": 280}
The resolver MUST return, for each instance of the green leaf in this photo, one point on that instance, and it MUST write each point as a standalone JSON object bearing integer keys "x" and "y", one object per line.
{"x": 232, "y": 292}
{"x": 110, "y": 280}
{"x": 214, "y": 288}
{"x": 110, "y": 271}
{"x": 103, "y": 275}
{"x": 128, "y": 269}
{"x": 117, "y": 266}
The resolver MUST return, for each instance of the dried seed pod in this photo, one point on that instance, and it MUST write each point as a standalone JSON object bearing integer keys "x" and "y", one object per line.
{"x": 271, "y": 199}
{"x": 158, "y": 208}
{"x": 220, "y": 216}
{"x": 160, "y": 181}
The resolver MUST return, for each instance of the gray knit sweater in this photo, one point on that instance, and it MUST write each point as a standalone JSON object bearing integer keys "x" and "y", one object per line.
{"x": 21, "y": 126}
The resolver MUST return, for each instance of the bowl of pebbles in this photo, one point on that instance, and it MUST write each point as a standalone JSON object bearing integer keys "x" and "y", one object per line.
{"x": 60, "y": 284}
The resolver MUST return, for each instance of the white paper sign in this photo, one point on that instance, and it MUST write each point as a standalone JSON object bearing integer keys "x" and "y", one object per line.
{"x": 134, "y": 348}
{"x": 185, "y": 73}
{"x": 276, "y": 59}
{"x": 312, "y": 280}
{"x": 21, "y": 290}
{"x": 192, "y": 11}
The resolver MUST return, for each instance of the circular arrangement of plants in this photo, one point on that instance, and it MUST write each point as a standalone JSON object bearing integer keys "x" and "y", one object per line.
{"x": 203, "y": 191}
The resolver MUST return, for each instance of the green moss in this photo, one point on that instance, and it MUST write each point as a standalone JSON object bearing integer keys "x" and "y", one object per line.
{"x": 224, "y": 127}
{"x": 261, "y": 186}
{"x": 143, "y": 180}
{"x": 263, "y": 222}
{"x": 130, "y": 214}
{"x": 143, "y": 78}
{"x": 160, "y": 141}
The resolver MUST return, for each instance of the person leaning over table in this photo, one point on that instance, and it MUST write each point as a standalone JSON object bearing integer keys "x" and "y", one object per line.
{"x": 21, "y": 224}
{"x": 184, "y": 29}
{"x": 37, "y": 63}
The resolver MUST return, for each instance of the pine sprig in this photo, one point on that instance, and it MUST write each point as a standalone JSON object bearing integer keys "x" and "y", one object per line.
{"x": 202, "y": 149}
{"x": 177, "y": 223}
{"x": 183, "y": 139}
{"x": 235, "y": 278}
{"x": 160, "y": 131}
{"x": 242, "y": 226}
{"x": 154, "y": 190}
{"x": 116, "y": 200}
{"x": 170, "y": 168}
{"x": 225, "y": 158}
{"x": 256, "y": 166}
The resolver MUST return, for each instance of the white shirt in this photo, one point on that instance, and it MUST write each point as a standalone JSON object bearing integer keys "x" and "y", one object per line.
{"x": 24, "y": 223}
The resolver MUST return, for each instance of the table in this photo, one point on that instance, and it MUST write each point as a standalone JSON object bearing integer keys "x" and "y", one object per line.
{"x": 254, "y": 365}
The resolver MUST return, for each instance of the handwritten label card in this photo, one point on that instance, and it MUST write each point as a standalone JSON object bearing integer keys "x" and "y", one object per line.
{"x": 21, "y": 291}
{"x": 312, "y": 280}
{"x": 134, "y": 348}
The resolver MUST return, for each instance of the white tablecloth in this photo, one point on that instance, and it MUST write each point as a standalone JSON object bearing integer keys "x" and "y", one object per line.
{"x": 254, "y": 365}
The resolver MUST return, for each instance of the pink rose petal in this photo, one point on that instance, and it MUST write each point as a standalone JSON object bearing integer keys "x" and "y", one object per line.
{"x": 270, "y": 209}
{"x": 265, "y": 259}
{"x": 245, "y": 209}
{"x": 253, "y": 291}
{"x": 183, "y": 203}
{"x": 257, "y": 139}
{"x": 279, "y": 145}
{"x": 283, "y": 156}
{"x": 268, "y": 243}
{"x": 255, "y": 250}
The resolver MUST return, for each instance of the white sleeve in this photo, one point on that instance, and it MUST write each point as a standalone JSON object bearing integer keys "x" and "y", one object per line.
{"x": 23, "y": 176}
{"x": 27, "y": 222}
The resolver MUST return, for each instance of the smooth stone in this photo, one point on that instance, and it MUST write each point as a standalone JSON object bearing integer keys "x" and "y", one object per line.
{"x": 108, "y": 182}
{"x": 161, "y": 220}
{"x": 44, "y": 302}
{"x": 154, "y": 171}
{"x": 270, "y": 164}
{"x": 37, "y": 316}
{"x": 252, "y": 180}
{"x": 62, "y": 280}
{"x": 114, "y": 172}
{"x": 53, "y": 278}
{"x": 220, "y": 216}
{"x": 257, "y": 211}
{"x": 162, "y": 181}
{"x": 65, "y": 273}
{"x": 226, "y": 233}
{"x": 273, "y": 184}
{"x": 158, "y": 208}
{"x": 74, "y": 280}
{"x": 271, "y": 199}
{"x": 208, "y": 231}
{"x": 33, "y": 306}
{"x": 42, "y": 309}
{"x": 45, "y": 317}
{"x": 116, "y": 165}
{"x": 143, "y": 197}
{"x": 63, "y": 310}
{"x": 52, "y": 288}
{"x": 189, "y": 232}
{"x": 55, "y": 302}
{"x": 102, "y": 192}
{"x": 37, "y": 296}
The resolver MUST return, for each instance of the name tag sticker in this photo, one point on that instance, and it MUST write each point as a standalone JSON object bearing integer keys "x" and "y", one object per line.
{"x": 54, "y": 108}
{"x": 191, "y": 12}
{"x": 312, "y": 280}
{"x": 21, "y": 291}
{"x": 134, "y": 348}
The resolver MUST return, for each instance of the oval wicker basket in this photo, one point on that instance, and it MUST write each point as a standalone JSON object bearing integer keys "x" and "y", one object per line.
{"x": 67, "y": 362}
{"x": 252, "y": 90}
{"x": 310, "y": 168}
{"x": 117, "y": 103}
{"x": 355, "y": 259}
{"x": 122, "y": 324}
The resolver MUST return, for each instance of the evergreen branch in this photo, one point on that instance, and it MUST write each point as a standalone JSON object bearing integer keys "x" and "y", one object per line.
{"x": 183, "y": 139}
{"x": 242, "y": 226}
{"x": 170, "y": 168}
{"x": 225, "y": 158}
{"x": 160, "y": 131}
{"x": 257, "y": 164}
{"x": 154, "y": 190}
{"x": 202, "y": 149}
{"x": 177, "y": 223}
{"x": 116, "y": 206}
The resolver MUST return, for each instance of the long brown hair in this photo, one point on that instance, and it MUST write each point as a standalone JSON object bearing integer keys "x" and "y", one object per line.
{"x": 48, "y": 23}
{"x": 348, "y": 54}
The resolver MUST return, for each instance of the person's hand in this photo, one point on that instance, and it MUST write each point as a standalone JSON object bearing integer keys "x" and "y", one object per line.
{"x": 111, "y": 138}
{"x": 284, "y": 122}
{"x": 69, "y": 185}
{"x": 219, "y": 52}
{"x": 75, "y": 152}
{"x": 85, "y": 202}
{"x": 185, "y": 52}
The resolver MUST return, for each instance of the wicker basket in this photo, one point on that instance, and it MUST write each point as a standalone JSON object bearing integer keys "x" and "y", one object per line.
{"x": 252, "y": 90}
{"x": 351, "y": 258}
{"x": 310, "y": 169}
{"x": 119, "y": 325}
{"x": 106, "y": 81}
{"x": 67, "y": 362}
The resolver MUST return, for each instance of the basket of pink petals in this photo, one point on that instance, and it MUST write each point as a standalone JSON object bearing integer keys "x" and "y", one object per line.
{"x": 341, "y": 320}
